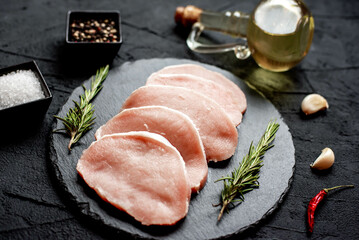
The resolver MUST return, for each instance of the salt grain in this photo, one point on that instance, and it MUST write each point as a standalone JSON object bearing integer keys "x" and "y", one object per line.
{"x": 19, "y": 87}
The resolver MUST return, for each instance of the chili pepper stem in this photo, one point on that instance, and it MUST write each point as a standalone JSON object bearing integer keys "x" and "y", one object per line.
{"x": 341, "y": 186}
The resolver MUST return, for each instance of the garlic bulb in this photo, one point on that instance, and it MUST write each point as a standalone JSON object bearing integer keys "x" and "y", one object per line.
{"x": 325, "y": 160}
{"x": 314, "y": 103}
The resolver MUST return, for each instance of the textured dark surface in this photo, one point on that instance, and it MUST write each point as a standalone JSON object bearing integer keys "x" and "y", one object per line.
{"x": 201, "y": 220}
{"x": 32, "y": 204}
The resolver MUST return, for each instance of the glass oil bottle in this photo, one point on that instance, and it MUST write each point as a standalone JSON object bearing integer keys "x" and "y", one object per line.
{"x": 278, "y": 32}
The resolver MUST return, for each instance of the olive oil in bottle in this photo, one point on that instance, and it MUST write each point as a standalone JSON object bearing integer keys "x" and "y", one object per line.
{"x": 280, "y": 33}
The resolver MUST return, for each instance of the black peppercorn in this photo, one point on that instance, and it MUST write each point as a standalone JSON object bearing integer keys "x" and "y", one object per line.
{"x": 100, "y": 30}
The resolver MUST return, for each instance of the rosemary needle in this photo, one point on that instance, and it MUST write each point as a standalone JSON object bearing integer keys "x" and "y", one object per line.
{"x": 245, "y": 178}
{"x": 80, "y": 118}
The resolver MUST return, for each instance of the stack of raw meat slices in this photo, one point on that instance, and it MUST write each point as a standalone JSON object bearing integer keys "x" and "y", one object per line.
{"x": 150, "y": 157}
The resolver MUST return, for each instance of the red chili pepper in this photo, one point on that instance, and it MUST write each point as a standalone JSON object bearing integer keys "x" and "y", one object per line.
{"x": 314, "y": 203}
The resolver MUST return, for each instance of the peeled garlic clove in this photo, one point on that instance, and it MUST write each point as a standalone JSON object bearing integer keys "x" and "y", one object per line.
{"x": 314, "y": 103}
{"x": 325, "y": 160}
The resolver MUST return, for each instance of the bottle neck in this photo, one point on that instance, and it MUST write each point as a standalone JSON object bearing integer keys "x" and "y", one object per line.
{"x": 231, "y": 23}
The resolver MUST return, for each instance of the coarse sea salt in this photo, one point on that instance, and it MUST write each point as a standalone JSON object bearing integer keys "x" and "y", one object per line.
{"x": 19, "y": 87}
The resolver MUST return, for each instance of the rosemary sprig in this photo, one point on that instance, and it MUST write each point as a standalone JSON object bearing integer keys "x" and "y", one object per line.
{"x": 245, "y": 178}
{"x": 80, "y": 118}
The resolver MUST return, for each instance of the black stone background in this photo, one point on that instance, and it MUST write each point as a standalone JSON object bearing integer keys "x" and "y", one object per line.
{"x": 32, "y": 206}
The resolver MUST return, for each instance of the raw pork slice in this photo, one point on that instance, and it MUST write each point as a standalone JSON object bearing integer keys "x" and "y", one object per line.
{"x": 175, "y": 126}
{"x": 140, "y": 173}
{"x": 217, "y": 132}
{"x": 215, "y": 91}
{"x": 209, "y": 75}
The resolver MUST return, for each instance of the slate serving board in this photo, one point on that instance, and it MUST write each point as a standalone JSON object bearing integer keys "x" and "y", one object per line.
{"x": 201, "y": 221}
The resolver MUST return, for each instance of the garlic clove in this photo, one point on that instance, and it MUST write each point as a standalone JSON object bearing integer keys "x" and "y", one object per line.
{"x": 314, "y": 103}
{"x": 325, "y": 160}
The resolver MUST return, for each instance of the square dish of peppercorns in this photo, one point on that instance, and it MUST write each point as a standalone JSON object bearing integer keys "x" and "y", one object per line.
{"x": 95, "y": 29}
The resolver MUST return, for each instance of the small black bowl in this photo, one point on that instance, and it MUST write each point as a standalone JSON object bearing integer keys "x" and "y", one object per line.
{"x": 85, "y": 50}
{"x": 31, "y": 111}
